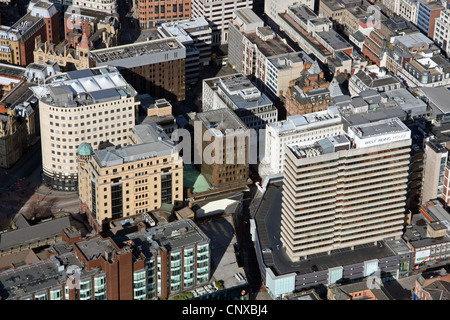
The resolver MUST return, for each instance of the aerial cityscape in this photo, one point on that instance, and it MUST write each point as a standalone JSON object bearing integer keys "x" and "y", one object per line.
{"x": 225, "y": 150}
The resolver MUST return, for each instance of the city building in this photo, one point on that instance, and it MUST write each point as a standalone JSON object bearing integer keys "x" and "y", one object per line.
{"x": 219, "y": 13}
{"x": 432, "y": 287}
{"x": 116, "y": 183}
{"x": 408, "y": 10}
{"x": 437, "y": 100}
{"x": 387, "y": 259}
{"x": 314, "y": 34}
{"x": 19, "y": 124}
{"x": 282, "y": 69}
{"x": 417, "y": 60}
{"x": 313, "y": 198}
{"x": 156, "y": 67}
{"x": 141, "y": 264}
{"x": 67, "y": 58}
{"x": 195, "y": 35}
{"x": 272, "y": 8}
{"x": 257, "y": 51}
{"x": 151, "y": 13}
{"x": 106, "y": 6}
{"x": 310, "y": 92}
{"x": 90, "y": 105}
{"x": 47, "y": 10}
{"x": 373, "y": 79}
{"x": 158, "y": 111}
{"x": 18, "y": 40}
{"x": 357, "y": 291}
{"x": 378, "y": 40}
{"x": 427, "y": 236}
{"x": 225, "y": 149}
{"x": 237, "y": 93}
{"x": 297, "y": 130}
{"x": 427, "y": 13}
{"x": 442, "y": 31}
{"x": 435, "y": 162}
{"x": 100, "y": 28}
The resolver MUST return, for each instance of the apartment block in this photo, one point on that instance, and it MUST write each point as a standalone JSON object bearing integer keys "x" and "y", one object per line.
{"x": 156, "y": 67}
{"x": 219, "y": 13}
{"x": 237, "y": 93}
{"x": 151, "y": 13}
{"x": 117, "y": 183}
{"x": 91, "y": 105}
{"x": 346, "y": 190}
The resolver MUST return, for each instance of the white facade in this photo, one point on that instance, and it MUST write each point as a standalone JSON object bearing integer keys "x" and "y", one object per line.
{"x": 104, "y": 6}
{"x": 298, "y": 130}
{"x": 442, "y": 31}
{"x": 219, "y": 13}
{"x": 273, "y": 7}
{"x": 408, "y": 10}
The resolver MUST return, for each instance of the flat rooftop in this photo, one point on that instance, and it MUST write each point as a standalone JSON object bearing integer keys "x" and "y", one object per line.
{"x": 219, "y": 122}
{"x": 285, "y": 60}
{"x": 28, "y": 279}
{"x": 180, "y": 234}
{"x": 268, "y": 223}
{"x": 383, "y": 127}
{"x": 135, "y": 50}
{"x": 271, "y": 47}
{"x": 307, "y": 121}
{"x": 247, "y": 15}
{"x": 439, "y": 98}
{"x": 95, "y": 247}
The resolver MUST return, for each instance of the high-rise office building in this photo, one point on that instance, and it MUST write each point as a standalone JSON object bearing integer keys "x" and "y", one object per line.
{"x": 90, "y": 105}
{"x": 346, "y": 190}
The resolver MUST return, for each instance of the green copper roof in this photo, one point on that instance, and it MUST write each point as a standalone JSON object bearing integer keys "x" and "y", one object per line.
{"x": 85, "y": 149}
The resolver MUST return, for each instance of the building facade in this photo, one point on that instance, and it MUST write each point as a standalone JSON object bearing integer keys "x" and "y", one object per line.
{"x": 237, "y": 93}
{"x": 151, "y": 13}
{"x": 297, "y": 130}
{"x": 117, "y": 183}
{"x": 91, "y": 105}
{"x": 333, "y": 197}
{"x": 219, "y": 13}
{"x": 195, "y": 35}
{"x": 156, "y": 67}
